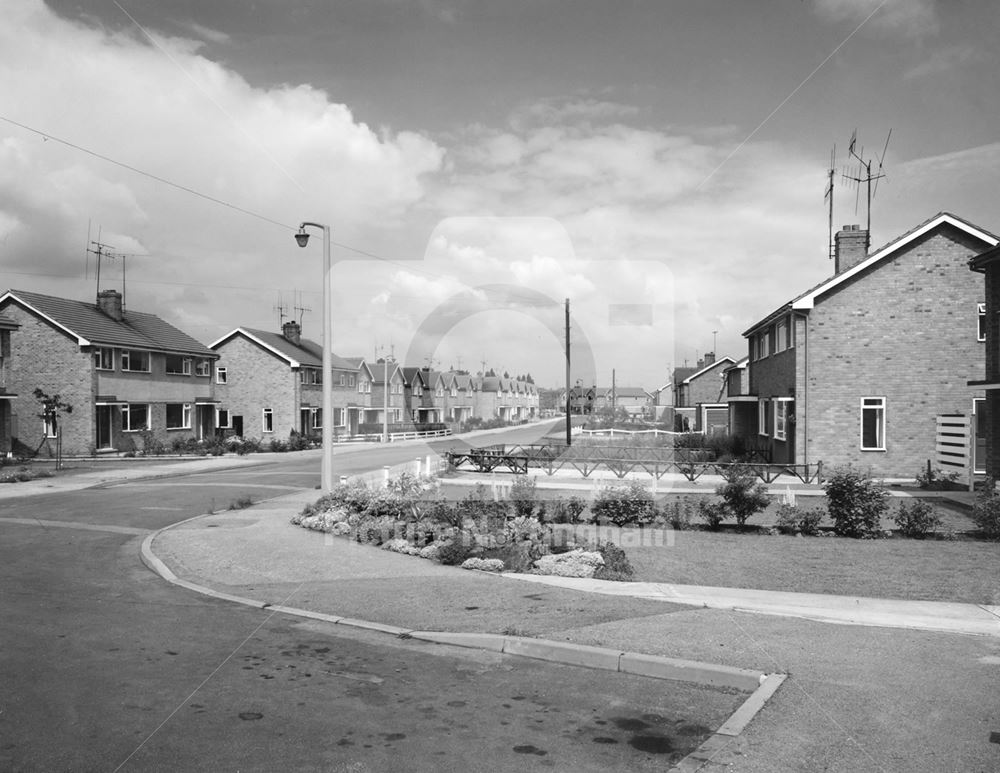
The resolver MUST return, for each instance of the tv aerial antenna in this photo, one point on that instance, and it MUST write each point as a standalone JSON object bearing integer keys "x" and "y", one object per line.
{"x": 863, "y": 174}
{"x": 300, "y": 308}
{"x": 281, "y": 308}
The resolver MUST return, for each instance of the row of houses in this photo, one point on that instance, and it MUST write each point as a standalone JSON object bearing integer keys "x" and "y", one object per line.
{"x": 129, "y": 375}
{"x": 866, "y": 367}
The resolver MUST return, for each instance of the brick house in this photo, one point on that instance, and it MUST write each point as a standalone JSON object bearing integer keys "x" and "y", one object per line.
{"x": 383, "y": 370}
{"x": 123, "y": 372}
{"x": 7, "y": 326}
{"x": 737, "y": 378}
{"x": 699, "y": 397}
{"x": 270, "y": 384}
{"x": 635, "y": 401}
{"x": 857, "y": 369}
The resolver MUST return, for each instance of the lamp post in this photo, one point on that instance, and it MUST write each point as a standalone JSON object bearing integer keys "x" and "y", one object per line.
{"x": 302, "y": 239}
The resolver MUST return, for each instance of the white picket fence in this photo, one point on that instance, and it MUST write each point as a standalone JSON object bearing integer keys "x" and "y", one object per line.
{"x": 429, "y": 465}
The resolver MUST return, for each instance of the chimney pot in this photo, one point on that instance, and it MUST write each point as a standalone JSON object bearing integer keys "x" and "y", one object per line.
{"x": 110, "y": 302}
{"x": 292, "y": 332}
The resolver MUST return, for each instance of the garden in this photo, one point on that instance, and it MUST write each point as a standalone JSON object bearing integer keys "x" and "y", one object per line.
{"x": 852, "y": 541}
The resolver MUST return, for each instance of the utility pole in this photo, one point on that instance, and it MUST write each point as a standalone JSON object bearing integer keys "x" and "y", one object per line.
{"x": 614, "y": 398}
{"x": 385, "y": 412}
{"x": 569, "y": 397}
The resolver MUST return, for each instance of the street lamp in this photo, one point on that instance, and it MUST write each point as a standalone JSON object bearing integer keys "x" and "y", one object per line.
{"x": 302, "y": 239}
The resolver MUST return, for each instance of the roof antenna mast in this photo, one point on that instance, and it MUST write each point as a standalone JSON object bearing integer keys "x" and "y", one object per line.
{"x": 865, "y": 175}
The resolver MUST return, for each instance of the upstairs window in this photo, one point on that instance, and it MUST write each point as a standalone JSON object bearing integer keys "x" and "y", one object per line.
{"x": 267, "y": 420}
{"x": 982, "y": 321}
{"x": 104, "y": 358}
{"x": 177, "y": 365}
{"x": 221, "y": 375}
{"x": 781, "y": 336}
{"x": 203, "y": 368}
{"x": 135, "y": 361}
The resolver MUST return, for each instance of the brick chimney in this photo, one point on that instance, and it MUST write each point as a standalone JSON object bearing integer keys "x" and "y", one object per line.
{"x": 709, "y": 358}
{"x": 110, "y": 302}
{"x": 292, "y": 332}
{"x": 850, "y": 247}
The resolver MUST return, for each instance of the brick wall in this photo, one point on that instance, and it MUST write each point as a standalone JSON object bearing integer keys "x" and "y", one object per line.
{"x": 906, "y": 331}
{"x": 43, "y": 358}
{"x": 256, "y": 379}
{"x": 706, "y": 387}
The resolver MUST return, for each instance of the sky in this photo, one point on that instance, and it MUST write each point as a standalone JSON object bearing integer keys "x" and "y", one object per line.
{"x": 660, "y": 165}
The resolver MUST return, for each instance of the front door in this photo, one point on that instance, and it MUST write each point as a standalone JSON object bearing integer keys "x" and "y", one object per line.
{"x": 105, "y": 415}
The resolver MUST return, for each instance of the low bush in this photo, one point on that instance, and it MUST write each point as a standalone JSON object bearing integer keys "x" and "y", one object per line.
{"x": 566, "y": 510}
{"x": 624, "y": 505}
{"x": 456, "y": 551}
{"x": 936, "y": 479}
{"x": 679, "y": 514}
{"x": 742, "y": 494}
{"x": 916, "y": 520}
{"x": 793, "y": 520}
{"x": 616, "y": 564}
{"x": 712, "y": 513}
{"x": 855, "y": 503}
{"x": 523, "y": 496}
{"x": 986, "y": 512}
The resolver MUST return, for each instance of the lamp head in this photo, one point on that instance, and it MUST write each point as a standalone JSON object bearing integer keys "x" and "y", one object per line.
{"x": 302, "y": 238}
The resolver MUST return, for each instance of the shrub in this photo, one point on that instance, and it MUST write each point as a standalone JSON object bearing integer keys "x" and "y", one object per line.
{"x": 576, "y": 563}
{"x": 855, "y": 503}
{"x": 567, "y": 510}
{"x": 916, "y": 520}
{"x": 523, "y": 496}
{"x": 624, "y": 505}
{"x": 483, "y": 564}
{"x": 679, "y": 514}
{"x": 792, "y": 520}
{"x": 986, "y": 512}
{"x": 742, "y": 494}
{"x": 936, "y": 479}
{"x": 516, "y": 557}
{"x": 278, "y": 446}
{"x": 616, "y": 564}
{"x": 712, "y": 513}
{"x": 241, "y": 503}
{"x": 453, "y": 553}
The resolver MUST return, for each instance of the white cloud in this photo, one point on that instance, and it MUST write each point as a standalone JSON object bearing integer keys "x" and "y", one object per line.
{"x": 945, "y": 60}
{"x": 910, "y": 18}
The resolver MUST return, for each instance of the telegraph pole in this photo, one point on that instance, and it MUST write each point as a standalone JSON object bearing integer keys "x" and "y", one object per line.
{"x": 569, "y": 397}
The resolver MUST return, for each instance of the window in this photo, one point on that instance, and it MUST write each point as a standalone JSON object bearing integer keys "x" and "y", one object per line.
{"x": 135, "y": 361}
{"x": 982, "y": 321}
{"x": 780, "y": 418}
{"x": 104, "y": 358}
{"x": 178, "y": 366}
{"x": 49, "y": 424}
{"x": 781, "y": 336}
{"x": 339, "y": 417}
{"x": 222, "y": 418}
{"x": 343, "y": 379}
{"x": 311, "y": 376}
{"x": 178, "y": 416}
{"x": 203, "y": 368}
{"x": 350, "y": 379}
{"x": 762, "y": 417}
{"x": 267, "y": 421}
{"x": 135, "y": 417}
{"x": 763, "y": 344}
{"x": 873, "y": 424}
{"x": 439, "y": 391}
{"x": 454, "y": 392}
{"x": 221, "y": 375}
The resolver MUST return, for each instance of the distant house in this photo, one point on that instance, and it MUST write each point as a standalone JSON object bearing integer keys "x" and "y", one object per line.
{"x": 737, "y": 379}
{"x": 859, "y": 368}
{"x": 388, "y": 375}
{"x": 699, "y": 397}
{"x": 635, "y": 401}
{"x": 128, "y": 375}
{"x": 269, "y": 384}
{"x": 7, "y": 326}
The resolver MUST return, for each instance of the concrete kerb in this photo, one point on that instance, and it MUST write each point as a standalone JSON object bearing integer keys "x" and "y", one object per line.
{"x": 760, "y": 685}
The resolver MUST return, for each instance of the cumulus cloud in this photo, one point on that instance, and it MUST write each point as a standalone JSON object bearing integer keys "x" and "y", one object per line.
{"x": 286, "y": 153}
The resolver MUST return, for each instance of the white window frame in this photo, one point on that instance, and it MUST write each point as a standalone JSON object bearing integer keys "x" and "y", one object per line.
{"x": 219, "y": 413}
{"x": 267, "y": 421}
{"x": 185, "y": 416}
{"x": 981, "y": 322}
{"x": 878, "y": 405}
{"x": 49, "y": 425}
{"x": 762, "y": 428}
{"x": 221, "y": 374}
{"x": 781, "y": 336}
{"x": 203, "y": 368}
{"x": 780, "y": 411}
{"x": 185, "y": 365}
{"x": 126, "y": 360}
{"x": 127, "y": 417}
{"x": 99, "y": 358}
{"x": 343, "y": 379}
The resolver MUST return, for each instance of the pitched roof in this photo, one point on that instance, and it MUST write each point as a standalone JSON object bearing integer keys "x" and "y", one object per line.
{"x": 628, "y": 391}
{"x": 92, "y": 327}
{"x": 305, "y": 353}
{"x": 708, "y": 367}
{"x": 808, "y": 299}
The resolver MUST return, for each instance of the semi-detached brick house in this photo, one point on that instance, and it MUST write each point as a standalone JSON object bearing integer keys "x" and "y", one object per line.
{"x": 7, "y": 326}
{"x": 857, "y": 369}
{"x": 270, "y": 384}
{"x": 988, "y": 426}
{"x": 699, "y": 397}
{"x": 122, "y": 371}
